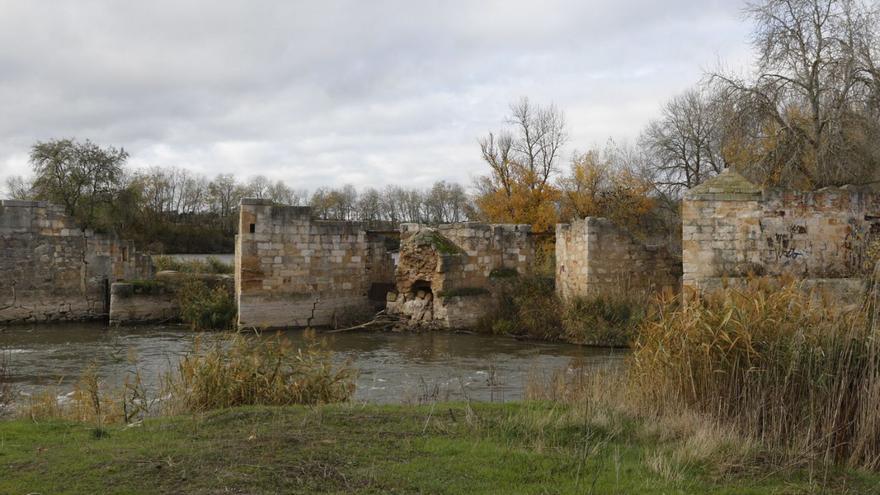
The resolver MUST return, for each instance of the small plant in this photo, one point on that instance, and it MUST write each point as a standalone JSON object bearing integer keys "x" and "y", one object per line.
{"x": 206, "y": 307}
{"x": 6, "y": 389}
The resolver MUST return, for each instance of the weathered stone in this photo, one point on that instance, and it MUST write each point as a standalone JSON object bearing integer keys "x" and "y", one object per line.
{"x": 294, "y": 271}
{"x": 443, "y": 273}
{"x": 54, "y": 271}
{"x": 809, "y": 234}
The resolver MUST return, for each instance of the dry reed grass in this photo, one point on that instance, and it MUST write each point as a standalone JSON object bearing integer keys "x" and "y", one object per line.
{"x": 236, "y": 370}
{"x": 221, "y": 370}
{"x": 785, "y": 368}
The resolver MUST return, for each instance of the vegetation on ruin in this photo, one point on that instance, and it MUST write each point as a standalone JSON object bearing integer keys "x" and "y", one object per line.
{"x": 206, "y": 306}
{"x": 503, "y": 273}
{"x": 437, "y": 240}
{"x": 437, "y": 448}
{"x": 148, "y": 286}
{"x": 210, "y": 265}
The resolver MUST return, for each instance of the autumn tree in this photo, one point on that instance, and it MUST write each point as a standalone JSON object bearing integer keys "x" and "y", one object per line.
{"x": 599, "y": 186}
{"x": 523, "y": 160}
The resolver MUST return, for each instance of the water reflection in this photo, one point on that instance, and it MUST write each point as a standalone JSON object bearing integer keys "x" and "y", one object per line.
{"x": 393, "y": 367}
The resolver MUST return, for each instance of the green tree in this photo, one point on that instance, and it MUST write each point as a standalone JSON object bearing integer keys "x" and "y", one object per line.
{"x": 81, "y": 176}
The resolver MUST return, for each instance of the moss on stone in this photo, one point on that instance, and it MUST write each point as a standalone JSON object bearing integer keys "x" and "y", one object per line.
{"x": 503, "y": 273}
{"x": 433, "y": 238}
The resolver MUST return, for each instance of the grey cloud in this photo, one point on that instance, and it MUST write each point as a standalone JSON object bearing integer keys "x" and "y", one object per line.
{"x": 333, "y": 92}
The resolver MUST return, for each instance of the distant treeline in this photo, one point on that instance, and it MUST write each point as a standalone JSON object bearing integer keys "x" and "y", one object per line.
{"x": 172, "y": 210}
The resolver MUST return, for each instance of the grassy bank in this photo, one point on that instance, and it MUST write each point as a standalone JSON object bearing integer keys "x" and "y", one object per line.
{"x": 347, "y": 448}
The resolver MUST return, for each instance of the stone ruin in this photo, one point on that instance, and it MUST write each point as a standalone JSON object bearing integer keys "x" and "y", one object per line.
{"x": 53, "y": 270}
{"x": 446, "y": 276}
{"x": 292, "y": 270}
{"x": 594, "y": 256}
{"x": 732, "y": 228}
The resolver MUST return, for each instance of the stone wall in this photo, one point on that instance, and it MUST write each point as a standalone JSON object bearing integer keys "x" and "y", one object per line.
{"x": 732, "y": 228}
{"x": 594, "y": 257}
{"x": 151, "y": 301}
{"x": 53, "y": 270}
{"x": 295, "y": 271}
{"x": 445, "y": 274}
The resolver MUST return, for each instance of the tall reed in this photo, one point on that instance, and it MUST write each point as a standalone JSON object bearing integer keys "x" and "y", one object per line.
{"x": 787, "y": 368}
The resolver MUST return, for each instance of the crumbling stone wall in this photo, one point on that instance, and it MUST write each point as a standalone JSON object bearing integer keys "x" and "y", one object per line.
{"x": 445, "y": 275}
{"x": 55, "y": 271}
{"x": 295, "y": 271}
{"x": 732, "y": 228}
{"x": 594, "y": 256}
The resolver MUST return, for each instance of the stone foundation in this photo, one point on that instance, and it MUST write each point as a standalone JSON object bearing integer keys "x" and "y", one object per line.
{"x": 55, "y": 271}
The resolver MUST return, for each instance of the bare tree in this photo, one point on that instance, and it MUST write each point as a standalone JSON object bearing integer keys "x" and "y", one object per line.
{"x": 541, "y": 134}
{"x": 685, "y": 142}
{"x": 816, "y": 78}
{"x": 17, "y": 187}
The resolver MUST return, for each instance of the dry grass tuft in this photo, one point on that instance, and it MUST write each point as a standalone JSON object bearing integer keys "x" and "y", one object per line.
{"x": 233, "y": 370}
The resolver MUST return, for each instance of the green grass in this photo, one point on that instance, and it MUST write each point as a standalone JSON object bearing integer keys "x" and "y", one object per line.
{"x": 445, "y": 448}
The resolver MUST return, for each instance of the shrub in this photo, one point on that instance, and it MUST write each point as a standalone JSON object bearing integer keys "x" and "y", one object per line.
{"x": 526, "y": 306}
{"x": 608, "y": 319}
{"x": 206, "y": 307}
{"x": 784, "y": 367}
{"x": 229, "y": 370}
{"x": 91, "y": 401}
{"x": 210, "y": 265}
{"x": 237, "y": 370}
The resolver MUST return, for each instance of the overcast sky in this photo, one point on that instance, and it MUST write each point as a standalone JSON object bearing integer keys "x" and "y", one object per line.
{"x": 324, "y": 93}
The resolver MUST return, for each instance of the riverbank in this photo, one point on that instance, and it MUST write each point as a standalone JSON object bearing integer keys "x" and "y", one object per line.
{"x": 350, "y": 448}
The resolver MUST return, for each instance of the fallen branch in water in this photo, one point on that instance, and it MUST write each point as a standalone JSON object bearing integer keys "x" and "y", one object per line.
{"x": 382, "y": 320}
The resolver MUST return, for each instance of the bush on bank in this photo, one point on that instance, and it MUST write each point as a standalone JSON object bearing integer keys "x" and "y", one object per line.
{"x": 528, "y": 306}
{"x": 205, "y": 306}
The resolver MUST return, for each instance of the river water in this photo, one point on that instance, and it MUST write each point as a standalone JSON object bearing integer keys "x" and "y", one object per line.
{"x": 393, "y": 367}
